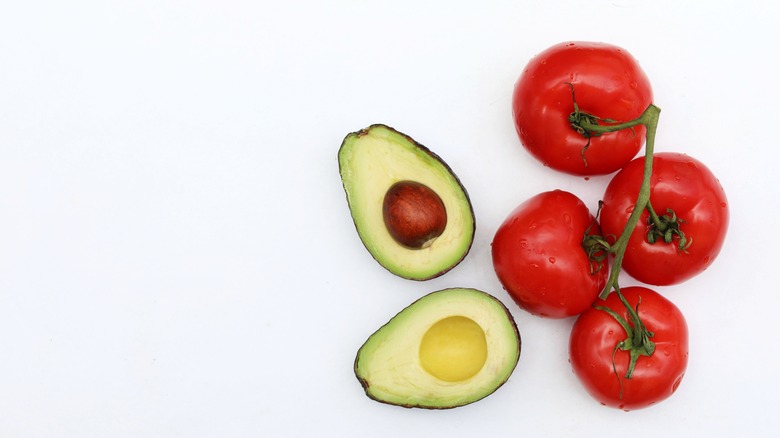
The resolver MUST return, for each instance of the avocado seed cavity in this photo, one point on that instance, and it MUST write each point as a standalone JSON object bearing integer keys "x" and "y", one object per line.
{"x": 414, "y": 214}
{"x": 453, "y": 349}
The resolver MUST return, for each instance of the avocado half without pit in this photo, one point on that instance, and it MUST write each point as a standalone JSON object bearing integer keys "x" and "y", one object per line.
{"x": 410, "y": 210}
{"x": 447, "y": 349}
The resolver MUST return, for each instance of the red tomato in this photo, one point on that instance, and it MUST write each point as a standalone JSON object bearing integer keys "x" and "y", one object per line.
{"x": 539, "y": 259}
{"x": 607, "y": 82}
{"x": 689, "y": 188}
{"x": 596, "y": 333}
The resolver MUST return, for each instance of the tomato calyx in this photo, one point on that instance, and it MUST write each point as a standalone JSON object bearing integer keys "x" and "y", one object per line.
{"x": 597, "y": 249}
{"x": 596, "y": 246}
{"x": 667, "y": 228}
{"x": 579, "y": 118}
{"x": 637, "y": 342}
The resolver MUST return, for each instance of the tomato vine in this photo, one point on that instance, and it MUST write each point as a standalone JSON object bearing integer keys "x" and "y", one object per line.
{"x": 638, "y": 338}
{"x": 649, "y": 118}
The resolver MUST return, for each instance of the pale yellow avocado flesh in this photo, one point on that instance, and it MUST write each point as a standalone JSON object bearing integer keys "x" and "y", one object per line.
{"x": 395, "y": 365}
{"x": 370, "y": 162}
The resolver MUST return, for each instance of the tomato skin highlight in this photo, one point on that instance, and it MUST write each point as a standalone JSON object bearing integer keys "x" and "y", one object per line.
{"x": 595, "y": 334}
{"x": 608, "y": 82}
{"x": 538, "y": 256}
{"x": 688, "y": 187}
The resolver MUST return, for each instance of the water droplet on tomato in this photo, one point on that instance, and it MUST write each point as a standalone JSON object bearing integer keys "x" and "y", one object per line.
{"x": 523, "y": 243}
{"x": 633, "y": 84}
{"x": 706, "y": 259}
{"x": 535, "y": 265}
{"x": 567, "y": 218}
{"x": 611, "y": 332}
{"x": 676, "y": 383}
{"x": 552, "y": 260}
{"x": 630, "y": 209}
{"x": 667, "y": 352}
{"x": 723, "y": 204}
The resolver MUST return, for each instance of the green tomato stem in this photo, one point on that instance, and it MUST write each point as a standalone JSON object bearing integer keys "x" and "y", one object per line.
{"x": 649, "y": 118}
{"x": 637, "y": 342}
{"x": 658, "y": 223}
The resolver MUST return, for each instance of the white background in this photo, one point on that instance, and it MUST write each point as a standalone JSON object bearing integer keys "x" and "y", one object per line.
{"x": 176, "y": 253}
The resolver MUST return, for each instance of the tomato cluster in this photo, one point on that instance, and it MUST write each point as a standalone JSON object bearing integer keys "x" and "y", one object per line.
{"x": 586, "y": 109}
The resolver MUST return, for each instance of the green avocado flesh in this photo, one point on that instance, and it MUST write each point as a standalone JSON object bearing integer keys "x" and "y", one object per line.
{"x": 447, "y": 349}
{"x": 371, "y": 161}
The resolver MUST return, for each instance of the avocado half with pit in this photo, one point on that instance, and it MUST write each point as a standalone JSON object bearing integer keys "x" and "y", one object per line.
{"x": 447, "y": 349}
{"x": 410, "y": 210}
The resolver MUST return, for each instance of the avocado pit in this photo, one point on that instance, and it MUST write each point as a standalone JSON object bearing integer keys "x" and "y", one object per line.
{"x": 413, "y": 214}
